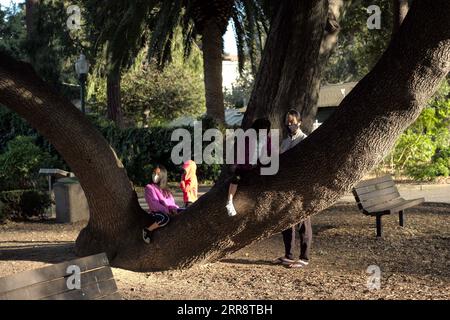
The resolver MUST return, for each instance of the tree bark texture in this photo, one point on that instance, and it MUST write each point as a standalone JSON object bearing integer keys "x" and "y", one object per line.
{"x": 301, "y": 38}
{"x": 31, "y": 7}
{"x": 212, "y": 46}
{"x": 114, "y": 98}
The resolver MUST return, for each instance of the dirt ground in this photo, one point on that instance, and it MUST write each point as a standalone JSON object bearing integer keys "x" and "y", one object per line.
{"x": 414, "y": 260}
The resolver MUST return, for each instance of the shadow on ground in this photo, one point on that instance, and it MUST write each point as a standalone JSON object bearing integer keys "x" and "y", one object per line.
{"x": 45, "y": 251}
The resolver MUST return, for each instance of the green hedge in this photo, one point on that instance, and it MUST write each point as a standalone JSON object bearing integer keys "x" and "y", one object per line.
{"x": 140, "y": 149}
{"x": 19, "y": 204}
{"x": 20, "y": 164}
{"x": 439, "y": 166}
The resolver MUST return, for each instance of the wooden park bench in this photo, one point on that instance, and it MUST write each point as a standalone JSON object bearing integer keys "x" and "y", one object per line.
{"x": 62, "y": 281}
{"x": 379, "y": 196}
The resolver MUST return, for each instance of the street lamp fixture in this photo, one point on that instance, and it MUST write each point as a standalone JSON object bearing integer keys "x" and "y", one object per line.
{"x": 82, "y": 70}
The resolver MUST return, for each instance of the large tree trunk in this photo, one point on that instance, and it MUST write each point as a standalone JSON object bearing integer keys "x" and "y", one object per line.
{"x": 308, "y": 108}
{"x": 31, "y": 20}
{"x": 31, "y": 7}
{"x": 301, "y": 38}
{"x": 400, "y": 11}
{"x": 312, "y": 176}
{"x": 212, "y": 46}
{"x": 114, "y": 100}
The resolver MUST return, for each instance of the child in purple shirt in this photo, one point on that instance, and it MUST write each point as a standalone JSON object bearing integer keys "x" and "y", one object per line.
{"x": 161, "y": 203}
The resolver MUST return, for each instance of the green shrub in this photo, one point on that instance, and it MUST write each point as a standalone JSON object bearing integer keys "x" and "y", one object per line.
{"x": 140, "y": 149}
{"x": 19, "y": 204}
{"x": 12, "y": 125}
{"x": 20, "y": 164}
{"x": 423, "y": 150}
{"x": 438, "y": 167}
{"x": 151, "y": 96}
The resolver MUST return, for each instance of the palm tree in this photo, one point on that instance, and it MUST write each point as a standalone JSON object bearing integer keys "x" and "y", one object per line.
{"x": 120, "y": 27}
{"x": 209, "y": 21}
{"x": 124, "y": 27}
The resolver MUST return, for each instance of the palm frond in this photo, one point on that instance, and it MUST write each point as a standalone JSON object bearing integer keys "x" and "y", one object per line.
{"x": 167, "y": 19}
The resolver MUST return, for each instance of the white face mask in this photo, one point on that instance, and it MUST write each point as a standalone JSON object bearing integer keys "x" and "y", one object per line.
{"x": 155, "y": 178}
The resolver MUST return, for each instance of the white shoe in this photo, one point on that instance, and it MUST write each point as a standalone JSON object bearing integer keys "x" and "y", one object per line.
{"x": 230, "y": 209}
{"x": 298, "y": 264}
{"x": 146, "y": 236}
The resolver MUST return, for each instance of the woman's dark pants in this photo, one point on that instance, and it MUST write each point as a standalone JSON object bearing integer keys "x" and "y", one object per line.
{"x": 305, "y": 232}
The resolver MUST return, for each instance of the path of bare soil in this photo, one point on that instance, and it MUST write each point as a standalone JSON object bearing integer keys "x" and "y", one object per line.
{"x": 414, "y": 260}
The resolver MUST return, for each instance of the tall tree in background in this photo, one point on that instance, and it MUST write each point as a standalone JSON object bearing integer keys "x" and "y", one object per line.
{"x": 114, "y": 101}
{"x": 302, "y": 35}
{"x": 330, "y": 38}
{"x": 400, "y": 11}
{"x": 327, "y": 164}
{"x": 12, "y": 32}
{"x": 359, "y": 48}
{"x": 124, "y": 27}
{"x": 209, "y": 20}
{"x": 121, "y": 26}
{"x": 37, "y": 32}
{"x": 31, "y": 6}
{"x": 160, "y": 19}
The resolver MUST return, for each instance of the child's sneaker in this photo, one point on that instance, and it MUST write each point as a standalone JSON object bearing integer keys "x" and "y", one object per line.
{"x": 230, "y": 209}
{"x": 146, "y": 235}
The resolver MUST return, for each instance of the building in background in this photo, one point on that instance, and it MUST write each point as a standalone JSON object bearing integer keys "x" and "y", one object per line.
{"x": 330, "y": 97}
{"x": 230, "y": 70}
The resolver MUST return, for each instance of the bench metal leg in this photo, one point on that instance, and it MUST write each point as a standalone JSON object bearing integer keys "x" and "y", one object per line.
{"x": 378, "y": 225}
{"x": 401, "y": 218}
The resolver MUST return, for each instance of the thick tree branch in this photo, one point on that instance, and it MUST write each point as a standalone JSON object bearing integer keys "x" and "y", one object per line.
{"x": 301, "y": 39}
{"x": 109, "y": 192}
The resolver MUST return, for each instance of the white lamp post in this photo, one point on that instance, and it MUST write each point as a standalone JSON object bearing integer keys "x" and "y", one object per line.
{"x": 82, "y": 69}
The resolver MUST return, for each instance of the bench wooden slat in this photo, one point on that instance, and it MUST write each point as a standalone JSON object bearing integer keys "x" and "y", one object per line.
{"x": 375, "y": 187}
{"x": 411, "y": 203}
{"x": 370, "y": 182}
{"x": 56, "y": 271}
{"x": 382, "y": 207}
{"x": 383, "y": 199}
{"x": 57, "y": 286}
{"x": 113, "y": 296}
{"x": 89, "y": 292}
{"x": 399, "y": 206}
{"x": 378, "y": 194}
{"x": 386, "y": 201}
